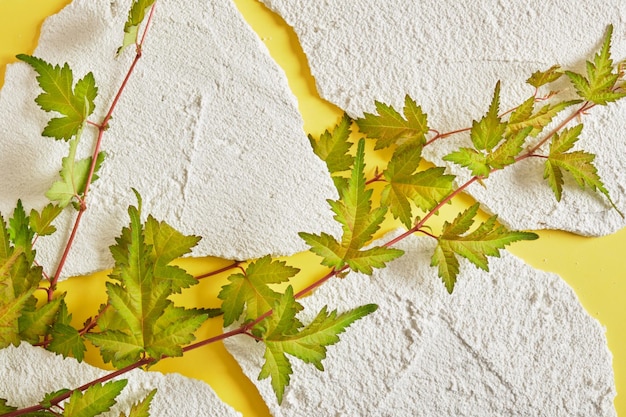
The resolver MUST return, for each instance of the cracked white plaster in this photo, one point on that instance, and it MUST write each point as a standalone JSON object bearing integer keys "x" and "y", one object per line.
{"x": 28, "y": 373}
{"x": 513, "y": 341}
{"x": 207, "y": 131}
{"x": 448, "y": 56}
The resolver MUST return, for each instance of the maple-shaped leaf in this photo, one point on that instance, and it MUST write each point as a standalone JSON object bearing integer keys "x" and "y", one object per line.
{"x": 489, "y": 131}
{"x": 141, "y": 318}
{"x": 599, "y": 86}
{"x": 97, "y": 399}
{"x": 74, "y": 175}
{"x": 142, "y": 408}
{"x": 74, "y": 102}
{"x": 333, "y": 147}
{"x": 486, "y": 240}
{"x": 136, "y": 15}
{"x": 541, "y": 78}
{"x": 41, "y": 223}
{"x": 405, "y": 184}
{"x": 495, "y": 143}
{"x": 579, "y": 164}
{"x": 250, "y": 289}
{"x": 389, "y": 127}
{"x": 359, "y": 222}
{"x": 284, "y": 334}
{"x": 19, "y": 278}
{"x": 524, "y": 116}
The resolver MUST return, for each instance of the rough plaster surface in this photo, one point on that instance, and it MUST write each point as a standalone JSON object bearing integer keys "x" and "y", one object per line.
{"x": 448, "y": 56}
{"x": 511, "y": 342}
{"x": 28, "y": 373}
{"x": 208, "y": 132}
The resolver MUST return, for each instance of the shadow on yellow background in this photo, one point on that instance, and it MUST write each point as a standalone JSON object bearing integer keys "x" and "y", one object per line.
{"x": 595, "y": 268}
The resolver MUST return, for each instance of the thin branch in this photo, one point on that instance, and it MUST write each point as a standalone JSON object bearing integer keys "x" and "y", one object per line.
{"x": 235, "y": 264}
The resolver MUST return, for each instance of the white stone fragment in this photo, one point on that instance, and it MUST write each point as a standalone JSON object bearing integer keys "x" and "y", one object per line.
{"x": 28, "y": 373}
{"x": 510, "y": 342}
{"x": 207, "y": 131}
{"x": 448, "y": 56}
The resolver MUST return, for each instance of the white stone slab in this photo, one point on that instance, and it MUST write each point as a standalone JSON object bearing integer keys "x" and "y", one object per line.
{"x": 448, "y": 56}
{"x": 28, "y": 373}
{"x": 511, "y": 342}
{"x": 207, "y": 131}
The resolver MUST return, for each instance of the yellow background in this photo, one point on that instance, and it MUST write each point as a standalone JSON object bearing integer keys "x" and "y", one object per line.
{"x": 595, "y": 268}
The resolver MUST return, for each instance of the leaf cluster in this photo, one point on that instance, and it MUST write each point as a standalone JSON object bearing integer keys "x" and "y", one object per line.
{"x": 600, "y": 85}
{"x": 139, "y": 318}
{"x": 75, "y": 102}
{"x": 140, "y": 324}
{"x": 486, "y": 240}
{"x": 359, "y": 222}
{"x": 284, "y": 334}
{"x": 21, "y": 316}
{"x": 98, "y": 398}
{"x": 497, "y": 142}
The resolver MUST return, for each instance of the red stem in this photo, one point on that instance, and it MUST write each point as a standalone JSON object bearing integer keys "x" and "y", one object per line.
{"x": 235, "y": 264}
{"x": 102, "y": 127}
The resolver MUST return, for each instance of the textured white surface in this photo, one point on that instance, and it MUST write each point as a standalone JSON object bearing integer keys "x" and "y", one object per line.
{"x": 448, "y": 56}
{"x": 28, "y": 373}
{"x": 207, "y": 131}
{"x": 511, "y": 342}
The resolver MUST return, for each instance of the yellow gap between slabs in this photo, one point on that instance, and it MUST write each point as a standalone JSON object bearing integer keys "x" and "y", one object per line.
{"x": 594, "y": 267}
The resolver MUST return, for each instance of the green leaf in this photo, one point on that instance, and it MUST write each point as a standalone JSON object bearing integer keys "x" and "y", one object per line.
{"x": 579, "y": 164}
{"x": 472, "y": 159}
{"x": 4, "y": 408}
{"x": 67, "y": 341}
{"x": 505, "y": 154}
{"x": 524, "y": 117}
{"x": 599, "y": 86}
{"x": 564, "y": 141}
{"x": 141, "y": 318}
{"x": 489, "y": 131}
{"x": 73, "y": 176}
{"x": 142, "y": 408}
{"x": 388, "y": 127}
{"x": 169, "y": 244}
{"x": 333, "y": 148}
{"x": 284, "y": 334}
{"x": 325, "y": 246}
{"x": 48, "y": 398}
{"x": 173, "y": 329}
{"x": 10, "y": 312}
{"x": 541, "y": 78}
{"x": 486, "y": 240}
{"x": 19, "y": 230}
{"x": 95, "y": 400}
{"x": 359, "y": 222}
{"x": 42, "y": 223}
{"x": 18, "y": 277}
{"x": 136, "y": 16}
{"x": 365, "y": 261}
{"x": 35, "y": 323}
{"x": 405, "y": 184}
{"x": 251, "y": 289}
{"x": 74, "y": 103}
